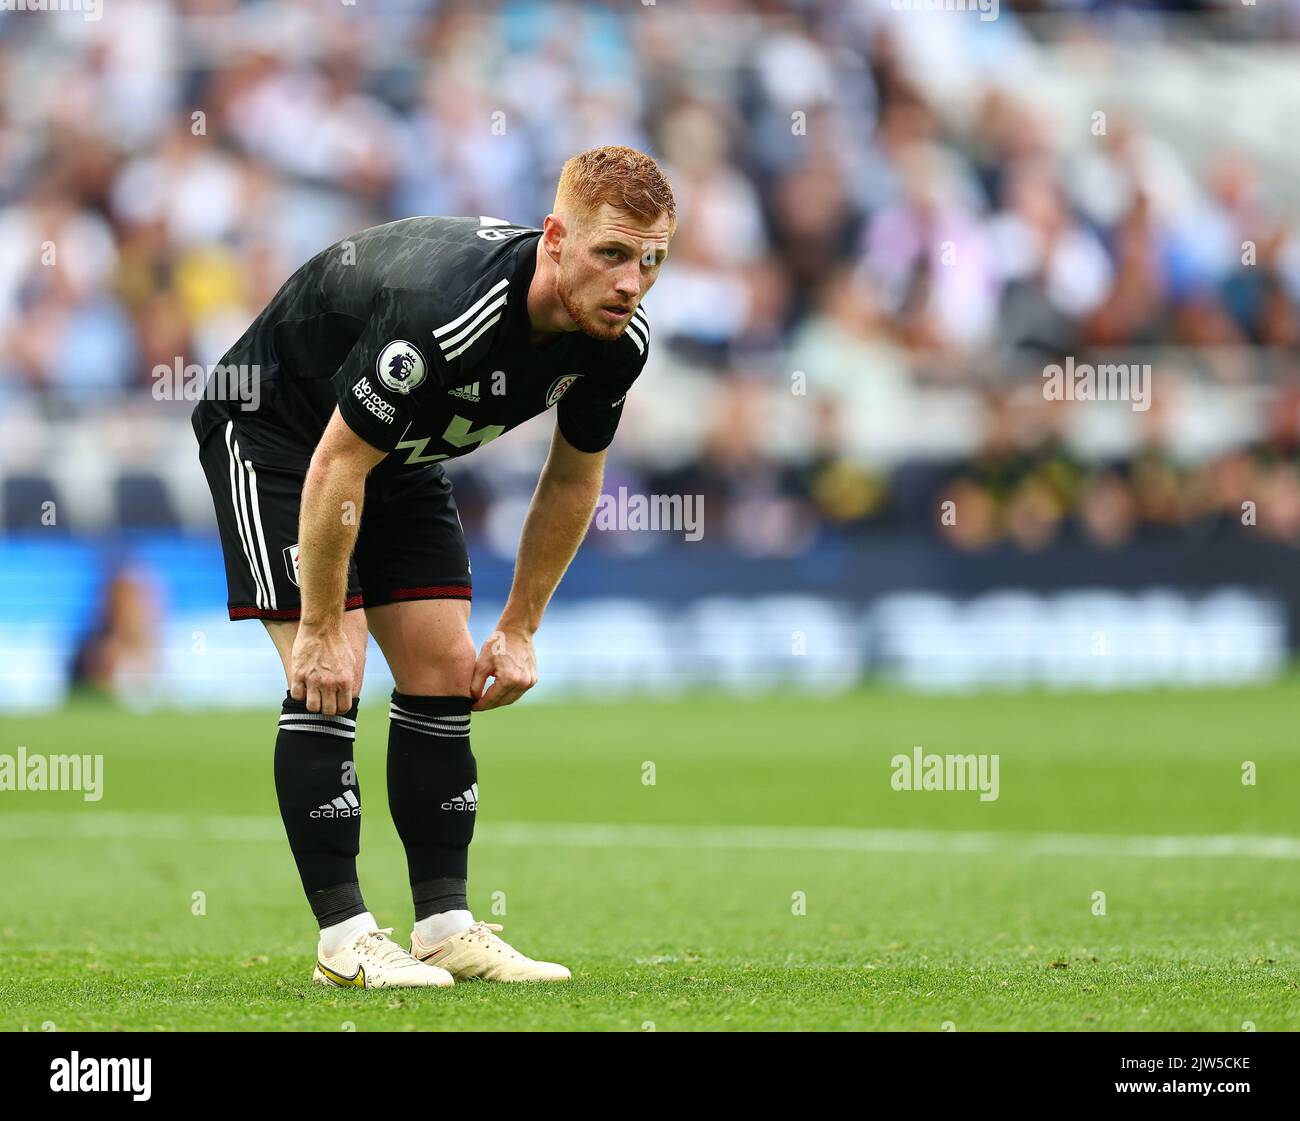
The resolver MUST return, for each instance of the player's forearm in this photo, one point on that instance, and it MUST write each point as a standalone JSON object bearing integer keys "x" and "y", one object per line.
{"x": 332, "y": 495}
{"x": 557, "y": 521}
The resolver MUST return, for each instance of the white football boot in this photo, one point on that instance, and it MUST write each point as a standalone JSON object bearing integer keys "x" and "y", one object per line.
{"x": 374, "y": 961}
{"x": 478, "y": 954}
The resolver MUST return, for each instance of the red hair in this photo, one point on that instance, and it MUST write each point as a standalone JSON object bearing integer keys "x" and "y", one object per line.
{"x": 628, "y": 180}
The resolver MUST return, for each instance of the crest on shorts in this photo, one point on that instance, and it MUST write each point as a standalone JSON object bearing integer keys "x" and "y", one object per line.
{"x": 559, "y": 388}
{"x": 291, "y": 563}
{"x": 400, "y": 366}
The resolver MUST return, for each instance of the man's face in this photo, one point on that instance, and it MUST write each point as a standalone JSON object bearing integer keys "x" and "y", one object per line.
{"x": 607, "y": 265}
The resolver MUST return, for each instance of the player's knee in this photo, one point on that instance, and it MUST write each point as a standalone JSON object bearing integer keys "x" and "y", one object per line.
{"x": 447, "y": 672}
{"x": 456, "y": 669}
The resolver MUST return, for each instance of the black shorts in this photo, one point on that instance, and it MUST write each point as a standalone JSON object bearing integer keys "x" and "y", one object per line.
{"x": 410, "y": 544}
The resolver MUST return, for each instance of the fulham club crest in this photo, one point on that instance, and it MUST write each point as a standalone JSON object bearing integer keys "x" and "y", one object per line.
{"x": 291, "y": 562}
{"x": 560, "y": 388}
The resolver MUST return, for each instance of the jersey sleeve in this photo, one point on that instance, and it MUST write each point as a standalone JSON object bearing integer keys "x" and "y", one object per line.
{"x": 588, "y": 414}
{"x": 391, "y": 367}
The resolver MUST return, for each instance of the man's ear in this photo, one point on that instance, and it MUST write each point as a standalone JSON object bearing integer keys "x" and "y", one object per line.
{"x": 554, "y": 231}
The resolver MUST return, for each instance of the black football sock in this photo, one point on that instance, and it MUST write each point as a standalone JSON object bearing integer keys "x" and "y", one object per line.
{"x": 320, "y": 804}
{"x": 433, "y": 796}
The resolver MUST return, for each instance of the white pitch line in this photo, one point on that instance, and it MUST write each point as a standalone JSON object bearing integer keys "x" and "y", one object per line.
{"x": 92, "y": 824}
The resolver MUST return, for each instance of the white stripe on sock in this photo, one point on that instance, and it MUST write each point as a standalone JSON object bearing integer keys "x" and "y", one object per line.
{"x": 454, "y": 720}
{"x": 322, "y": 729}
{"x": 428, "y": 730}
{"x": 345, "y": 721}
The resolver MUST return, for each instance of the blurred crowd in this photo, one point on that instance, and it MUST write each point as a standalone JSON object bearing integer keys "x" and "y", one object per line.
{"x": 852, "y": 246}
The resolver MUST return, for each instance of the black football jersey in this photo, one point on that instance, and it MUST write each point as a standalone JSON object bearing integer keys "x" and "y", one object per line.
{"x": 418, "y": 331}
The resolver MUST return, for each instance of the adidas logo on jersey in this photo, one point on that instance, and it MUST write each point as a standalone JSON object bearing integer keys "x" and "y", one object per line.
{"x": 346, "y": 805}
{"x": 466, "y": 801}
{"x": 465, "y": 392}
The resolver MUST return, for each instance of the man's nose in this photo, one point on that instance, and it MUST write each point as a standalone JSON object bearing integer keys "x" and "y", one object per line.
{"x": 629, "y": 281}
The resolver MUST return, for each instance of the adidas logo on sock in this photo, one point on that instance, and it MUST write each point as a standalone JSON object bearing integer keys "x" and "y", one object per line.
{"x": 345, "y": 805}
{"x": 467, "y": 392}
{"x": 466, "y": 801}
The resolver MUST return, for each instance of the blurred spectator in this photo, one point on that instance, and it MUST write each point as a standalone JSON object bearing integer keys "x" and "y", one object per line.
{"x": 885, "y": 234}
{"x": 118, "y": 658}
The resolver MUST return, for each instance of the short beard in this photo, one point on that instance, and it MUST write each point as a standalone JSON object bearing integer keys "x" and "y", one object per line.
{"x": 587, "y": 325}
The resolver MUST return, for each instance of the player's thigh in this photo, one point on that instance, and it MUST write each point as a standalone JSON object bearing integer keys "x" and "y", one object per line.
{"x": 427, "y": 645}
{"x": 415, "y": 582}
{"x": 284, "y": 632}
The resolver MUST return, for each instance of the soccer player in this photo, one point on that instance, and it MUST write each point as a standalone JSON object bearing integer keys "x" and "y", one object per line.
{"x": 393, "y": 350}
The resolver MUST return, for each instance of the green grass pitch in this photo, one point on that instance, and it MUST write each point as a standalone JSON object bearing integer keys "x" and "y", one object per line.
{"x": 677, "y": 904}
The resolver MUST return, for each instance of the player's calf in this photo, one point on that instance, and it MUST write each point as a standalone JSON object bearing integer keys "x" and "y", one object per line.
{"x": 320, "y": 804}
{"x": 433, "y": 797}
{"x": 433, "y": 794}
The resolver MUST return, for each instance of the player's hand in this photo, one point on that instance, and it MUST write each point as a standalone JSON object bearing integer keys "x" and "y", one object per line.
{"x": 507, "y": 657}
{"x": 324, "y": 668}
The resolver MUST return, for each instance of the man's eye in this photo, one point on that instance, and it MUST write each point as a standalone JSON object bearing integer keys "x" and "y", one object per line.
{"x": 612, "y": 253}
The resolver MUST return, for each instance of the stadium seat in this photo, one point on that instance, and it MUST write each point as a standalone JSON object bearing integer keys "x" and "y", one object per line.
{"x": 30, "y": 501}
{"x": 143, "y": 502}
